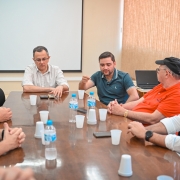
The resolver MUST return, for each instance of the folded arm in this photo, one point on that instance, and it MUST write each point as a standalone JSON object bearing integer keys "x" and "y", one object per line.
{"x": 170, "y": 141}
{"x": 147, "y": 118}
{"x": 132, "y": 104}
{"x": 32, "y": 88}
{"x": 138, "y": 130}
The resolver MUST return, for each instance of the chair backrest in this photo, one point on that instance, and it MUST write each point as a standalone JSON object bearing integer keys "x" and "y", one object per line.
{"x": 2, "y": 97}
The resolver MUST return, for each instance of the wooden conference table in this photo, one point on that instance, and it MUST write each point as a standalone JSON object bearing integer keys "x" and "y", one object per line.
{"x": 80, "y": 155}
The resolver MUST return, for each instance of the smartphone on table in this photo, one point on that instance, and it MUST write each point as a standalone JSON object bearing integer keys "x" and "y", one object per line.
{"x": 82, "y": 110}
{"x": 44, "y": 96}
{"x": 101, "y": 134}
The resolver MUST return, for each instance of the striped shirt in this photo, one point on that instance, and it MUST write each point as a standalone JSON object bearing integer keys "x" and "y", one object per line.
{"x": 52, "y": 78}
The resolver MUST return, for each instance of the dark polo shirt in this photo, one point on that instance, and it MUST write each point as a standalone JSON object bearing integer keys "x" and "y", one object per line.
{"x": 114, "y": 89}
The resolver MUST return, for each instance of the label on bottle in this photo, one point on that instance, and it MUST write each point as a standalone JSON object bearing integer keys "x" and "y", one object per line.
{"x": 50, "y": 137}
{"x": 91, "y": 103}
{"x": 73, "y": 105}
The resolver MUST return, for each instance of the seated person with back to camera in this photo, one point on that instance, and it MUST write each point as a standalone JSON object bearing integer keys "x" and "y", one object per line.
{"x": 43, "y": 77}
{"x": 110, "y": 83}
{"x": 162, "y": 101}
{"x": 5, "y": 113}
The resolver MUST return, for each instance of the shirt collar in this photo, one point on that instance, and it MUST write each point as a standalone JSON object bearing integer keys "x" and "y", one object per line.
{"x": 115, "y": 75}
{"x": 46, "y": 71}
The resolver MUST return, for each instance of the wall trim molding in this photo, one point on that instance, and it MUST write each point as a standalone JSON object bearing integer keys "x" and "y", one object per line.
{"x": 8, "y": 79}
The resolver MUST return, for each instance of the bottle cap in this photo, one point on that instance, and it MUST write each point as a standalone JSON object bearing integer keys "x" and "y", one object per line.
{"x": 73, "y": 95}
{"x": 91, "y": 93}
{"x": 49, "y": 122}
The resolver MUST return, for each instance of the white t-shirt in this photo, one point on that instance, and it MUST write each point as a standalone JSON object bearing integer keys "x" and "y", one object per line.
{"x": 172, "y": 125}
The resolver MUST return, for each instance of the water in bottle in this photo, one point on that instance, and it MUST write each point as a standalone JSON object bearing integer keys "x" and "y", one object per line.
{"x": 91, "y": 102}
{"x": 50, "y": 141}
{"x": 73, "y": 106}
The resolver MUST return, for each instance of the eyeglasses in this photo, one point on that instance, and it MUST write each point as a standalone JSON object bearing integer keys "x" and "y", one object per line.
{"x": 43, "y": 59}
{"x": 158, "y": 69}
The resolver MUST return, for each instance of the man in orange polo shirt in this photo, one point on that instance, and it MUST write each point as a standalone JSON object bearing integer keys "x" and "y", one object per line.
{"x": 162, "y": 101}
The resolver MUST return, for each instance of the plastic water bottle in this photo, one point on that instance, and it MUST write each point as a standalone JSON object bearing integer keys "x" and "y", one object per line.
{"x": 91, "y": 102}
{"x": 50, "y": 141}
{"x": 73, "y": 105}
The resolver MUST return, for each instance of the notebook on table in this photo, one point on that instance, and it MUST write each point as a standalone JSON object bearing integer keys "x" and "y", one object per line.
{"x": 146, "y": 79}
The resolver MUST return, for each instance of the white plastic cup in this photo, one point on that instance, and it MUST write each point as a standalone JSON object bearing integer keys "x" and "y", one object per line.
{"x": 44, "y": 116}
{"x": 33, "y": 99}
{"x": 79, "y": 121}
{"x": 125, "y": 168}
{"x": 115, "y": 136}
{"x": 81, "y": 94}
{"x": 92, "y": 116}
{"x": 102, "y": 114}
{"x": 39, "y": 128}
{"x": 164, "y": 177}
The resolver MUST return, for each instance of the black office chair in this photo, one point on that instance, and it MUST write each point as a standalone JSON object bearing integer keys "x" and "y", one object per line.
{"x": 2, "y": 97}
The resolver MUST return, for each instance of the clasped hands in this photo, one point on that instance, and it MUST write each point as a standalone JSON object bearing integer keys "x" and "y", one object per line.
{"x": 13, "y": 136}
{"x": 135, "y": 128}
{"x": 115, "y": 108}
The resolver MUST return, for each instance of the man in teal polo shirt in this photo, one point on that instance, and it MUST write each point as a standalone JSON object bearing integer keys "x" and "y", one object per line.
{"x": 111, "y": 83}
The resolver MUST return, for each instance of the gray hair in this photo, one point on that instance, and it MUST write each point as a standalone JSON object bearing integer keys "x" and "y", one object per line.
{"x": 39, "y": 49}
{"x": 176, "y": 76}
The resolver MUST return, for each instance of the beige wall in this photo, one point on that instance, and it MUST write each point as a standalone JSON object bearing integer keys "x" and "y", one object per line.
{"x": 151, "y": 32}
{"x": 101, "y": 33}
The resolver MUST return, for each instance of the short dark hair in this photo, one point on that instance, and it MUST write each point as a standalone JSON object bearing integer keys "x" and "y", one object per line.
{"x": 107, "y": 54}
{"x": 39, "y": 49}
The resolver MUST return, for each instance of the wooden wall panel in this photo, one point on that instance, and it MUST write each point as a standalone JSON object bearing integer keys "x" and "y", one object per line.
{"x": 151, "y": 31}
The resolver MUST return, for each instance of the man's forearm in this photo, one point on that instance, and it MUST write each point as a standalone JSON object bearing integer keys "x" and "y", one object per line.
{"x": 132, "y": 98}
{"x": 132, "y": 104}
{"x": 32, "y": 88}
{"x": 158, "y": 139}
{"x": 145, "y": 118}
{"x": 158, "y": 128}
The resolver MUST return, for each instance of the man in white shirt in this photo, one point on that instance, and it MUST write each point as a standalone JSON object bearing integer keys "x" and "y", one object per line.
{"x": 43, "y": 77}
{"x": 162, "y": 133}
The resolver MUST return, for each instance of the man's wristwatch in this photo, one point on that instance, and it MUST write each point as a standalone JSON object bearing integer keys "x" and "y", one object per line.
{"x": 148, "y": 135}
{"x": 2, "y": 135}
